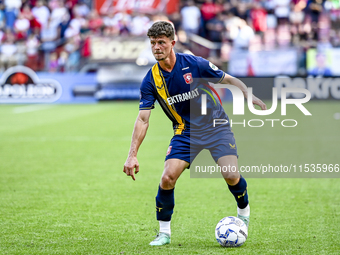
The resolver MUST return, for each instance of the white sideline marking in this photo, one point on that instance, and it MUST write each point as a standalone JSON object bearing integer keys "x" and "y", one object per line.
{"x": 32, "y": 108}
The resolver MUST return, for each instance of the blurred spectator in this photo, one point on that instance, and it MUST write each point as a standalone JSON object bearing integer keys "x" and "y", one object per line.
{"x": 297, "y": 15}
{"x": 140, "y": 24}
{"x": 2, "y": 16}
{"x": 52, "y": 4}
{"x": 175, "y": 18}
{"x": 191, "y": 16}
{"x": 302, "y": 23}
{"x": 269, "y": 39}
{"x": 308, "y": 36}
{"x": 296, "y": 18}
{"x": 216, "y": 28}
{"x": 240, "y": 10}
{"x": 335, "y": 38}
{"x": 41, "y": 13}
{"x": 26, "y": 12}
{"x": 63, "y": 25}
{"x": 283, "y": 36}
{"x": 335, "y": 14}
{"x": 7, "y": 34}
{"x": 53, "y": 63}
{"x": 124, "y": 22}
{"x": 269, "y": 5}
{"x": 62, "y": 60}
{"x": 334, "y": 9}
{"x": 21, "y": 27}
{"x": 70, "y": 32}
{"x": 49, "y": 36}
{"x": 76, "y": 25}
{"x": 231, "y": 23}
{"x": 111, "y": 25}
{"x": 315, "y": 8}
{"x": 95, "y": 22}
{"x": 159, "y": 17}
{"x": 12, "y": 8}
{"x": 32, "y": 46}
{"x": 2, "y": 35}
{"x": 58, "y": 13}
{"x": 244, "y": 36}
{"x": 8, "y": 56}
{"x": 282, "y": 10}
{"x": 81, "y": 9}
{"x": 86, "y": 47}
{"x": 208, "y": 11}
{"x": 221, "y": 6}
{"x": 258, "y": 17}
{"x": 72, "y": 48}
{"x": 70, "y": 4}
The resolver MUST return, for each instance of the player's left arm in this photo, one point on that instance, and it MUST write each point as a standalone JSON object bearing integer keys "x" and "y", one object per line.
{"x": 228, "y": 79}
{"x": 211, "y": 73}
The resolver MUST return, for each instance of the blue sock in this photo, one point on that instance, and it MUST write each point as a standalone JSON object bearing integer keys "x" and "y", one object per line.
{"x": 165, "y": 202}
{"x": 240, "y": 193}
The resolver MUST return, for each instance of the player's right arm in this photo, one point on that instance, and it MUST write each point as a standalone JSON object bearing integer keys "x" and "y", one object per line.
{"x": 131, "y": 166}
{"x": 146, "y": 103}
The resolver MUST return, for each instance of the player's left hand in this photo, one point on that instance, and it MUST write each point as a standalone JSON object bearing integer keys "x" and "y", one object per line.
{"x": 259, "y": 102}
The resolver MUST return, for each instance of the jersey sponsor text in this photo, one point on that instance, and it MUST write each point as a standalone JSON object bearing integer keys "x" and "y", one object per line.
{"x": 183, "y": 97}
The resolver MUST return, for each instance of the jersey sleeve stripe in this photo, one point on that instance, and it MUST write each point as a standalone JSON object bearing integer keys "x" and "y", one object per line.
{"x": 221, "y": 78}
{"x": 147, "y": 108}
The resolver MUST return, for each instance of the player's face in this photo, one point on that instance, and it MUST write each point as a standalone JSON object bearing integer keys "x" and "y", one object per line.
{"x": 161, "y": 47}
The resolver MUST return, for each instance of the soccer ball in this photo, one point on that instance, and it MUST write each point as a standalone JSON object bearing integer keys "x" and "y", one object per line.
{"x": 231, "y": 232}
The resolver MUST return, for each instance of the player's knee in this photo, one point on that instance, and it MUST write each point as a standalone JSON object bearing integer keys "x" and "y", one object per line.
{"x": 168, "y": 181}
{"x": 232, "y": 178}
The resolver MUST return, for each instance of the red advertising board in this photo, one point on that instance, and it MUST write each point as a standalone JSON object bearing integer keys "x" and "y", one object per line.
{"x": 144, "y": 6}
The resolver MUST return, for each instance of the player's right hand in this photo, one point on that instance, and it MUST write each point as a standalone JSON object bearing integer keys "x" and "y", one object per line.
{"x": 131, "y": 167}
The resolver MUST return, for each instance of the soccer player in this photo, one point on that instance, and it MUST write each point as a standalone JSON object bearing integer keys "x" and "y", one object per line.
{"x": 177, "y": 82}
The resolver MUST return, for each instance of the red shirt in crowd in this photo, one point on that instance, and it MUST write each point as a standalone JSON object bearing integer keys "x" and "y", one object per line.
{"x": 208, "y": 10}
{"x": 258, "y": 17}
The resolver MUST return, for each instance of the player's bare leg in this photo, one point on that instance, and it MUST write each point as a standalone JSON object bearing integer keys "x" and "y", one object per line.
{"x": 231, "y": 176}
{"x": 237, "y": 186}
{"x": 165, "y": 202}
{"x": 173, "y": 168}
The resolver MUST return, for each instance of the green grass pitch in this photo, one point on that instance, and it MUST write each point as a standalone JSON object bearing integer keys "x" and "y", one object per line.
{"x": 62, "y": 189}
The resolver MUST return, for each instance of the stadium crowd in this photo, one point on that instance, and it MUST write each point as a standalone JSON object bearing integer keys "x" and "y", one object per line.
{"x": 54, "y": 35}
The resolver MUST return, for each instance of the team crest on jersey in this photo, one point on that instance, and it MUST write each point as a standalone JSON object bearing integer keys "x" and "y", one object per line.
{"x": 188, "y": 78}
